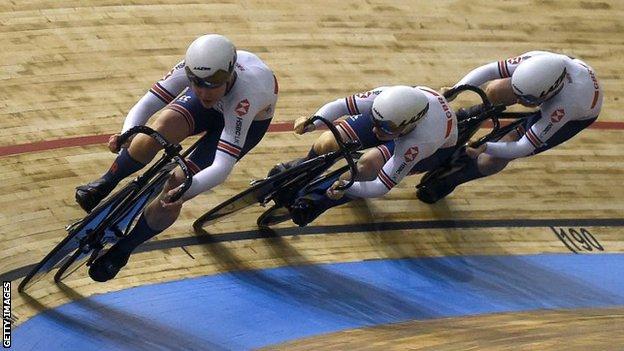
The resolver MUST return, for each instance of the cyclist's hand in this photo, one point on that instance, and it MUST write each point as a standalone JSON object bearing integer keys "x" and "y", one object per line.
{"x": 301, "y": 125}
{"x": 443, "y": 90}
{"x": 334, "y": 193}
{"x": 165, "y": 199}
{"x": 113, "y": 143}
{"x": 475, "y": 152}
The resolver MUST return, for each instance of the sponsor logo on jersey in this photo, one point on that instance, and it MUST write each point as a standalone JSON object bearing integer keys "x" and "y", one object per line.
{"x": 401, "y": 168}
{"x": 242, "y": 108}
{"x": 167, "y": 75}
{"x": 184, "y": 98}
{"x": 237, "y": 131}
{"x": 514, "y": 60}
{"x": 557, "y": 115}
{"x": 411, "y": 153}
{"x": 364, "y": 95}
{"x": 546, "y": 130}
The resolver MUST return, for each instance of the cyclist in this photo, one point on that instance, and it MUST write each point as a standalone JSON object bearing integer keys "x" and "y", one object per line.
{"x": 410, "y": 130}
{"x": 568, "y": 97}
{"x": 228, "y": 94}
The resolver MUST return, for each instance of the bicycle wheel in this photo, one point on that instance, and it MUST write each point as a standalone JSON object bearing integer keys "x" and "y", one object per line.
{"x": 113, "y": 231}
{"x": 274, "y": 215}
{"x": 260, "y": 192}
{"x": 76, "y": 233}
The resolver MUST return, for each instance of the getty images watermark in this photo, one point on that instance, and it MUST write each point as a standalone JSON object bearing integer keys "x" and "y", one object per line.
{"x": 6, "y": 314}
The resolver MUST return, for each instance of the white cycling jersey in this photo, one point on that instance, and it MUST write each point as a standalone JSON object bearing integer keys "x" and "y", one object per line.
{"x": 580, "y": 99}
{"x": 252, "y": 98}
{"x": 437, "y": 129}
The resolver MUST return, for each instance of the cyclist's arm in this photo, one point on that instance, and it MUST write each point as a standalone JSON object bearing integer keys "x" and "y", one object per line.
{"x": 161, "y": 94}
{"x": 393, "y": 171}
{"x": 211, "y": 176}
{"x": 552, "y": 120}
{"x": 351, "y": 105}
{"x": 494, "y": 70}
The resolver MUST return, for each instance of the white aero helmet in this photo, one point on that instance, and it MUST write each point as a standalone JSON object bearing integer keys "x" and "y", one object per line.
{"x": 539, "y": 78}
{"x": 397, "y": 107}
{"x": 210, "y": 60}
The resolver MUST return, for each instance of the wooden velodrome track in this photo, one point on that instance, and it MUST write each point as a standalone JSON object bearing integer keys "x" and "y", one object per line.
{"x": 71, "y": 69}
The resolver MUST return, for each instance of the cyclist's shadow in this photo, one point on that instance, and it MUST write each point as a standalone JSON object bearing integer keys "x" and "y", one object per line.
{"x": 496, "y": 276}
{"x": 301, "y": 281}
{"x": 440, "y": 269}
{"x": 116, "y": 328}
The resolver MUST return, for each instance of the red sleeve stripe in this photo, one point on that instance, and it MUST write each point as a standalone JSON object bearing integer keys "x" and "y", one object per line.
{"x": 596, "y": 94}
{"x": 187, "y": 115}
{"x": 503, "y": 71}
{"x": 432, "y": 92}
{"x": 348, "y": 130}
{"x": 533, "y": 138}
{"x": 276, "y": 86}
{"x": 162, "y": 93}
{"x": 351, "y": 106}
{"x": 385, "y": 153}
{"x": 228, "y": 149}
{"x": 449, "y": 128}
{"x": 192, "y": 166}
{"x": 355, "y": 104}
{"x": 387, "y": 181}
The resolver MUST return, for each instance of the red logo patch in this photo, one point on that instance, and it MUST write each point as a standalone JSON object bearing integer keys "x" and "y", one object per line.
{"x": 364, "y": 95}
{"x": 557, "y": 115}
{"x": 242, "y": 108}
{"x": 411, "y": 153}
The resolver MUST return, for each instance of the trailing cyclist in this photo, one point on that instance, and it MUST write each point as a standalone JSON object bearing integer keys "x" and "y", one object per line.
{"x": 568, "y": 97}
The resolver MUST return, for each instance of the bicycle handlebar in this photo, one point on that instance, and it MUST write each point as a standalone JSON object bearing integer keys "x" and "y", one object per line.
{"x": 467, "y": 87}
{"x": 172, "y": 152}
{"x": 343, "y": 150}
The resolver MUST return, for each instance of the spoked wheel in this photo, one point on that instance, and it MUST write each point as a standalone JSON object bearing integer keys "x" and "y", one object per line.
{"x": 274, "y": 215}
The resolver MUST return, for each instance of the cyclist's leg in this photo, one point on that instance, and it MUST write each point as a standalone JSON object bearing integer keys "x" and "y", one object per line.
{"x": 156, "y": 218}
{"x": 499, "y": 91}
{"x": 354, "y": 128}
{"x": 175, "y": 123}
{"x": 483, "y": 166}
{"x": 486, "y": 165}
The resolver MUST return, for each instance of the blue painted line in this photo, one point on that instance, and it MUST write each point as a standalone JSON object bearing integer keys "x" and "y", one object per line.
{"x": 250, "y": 309}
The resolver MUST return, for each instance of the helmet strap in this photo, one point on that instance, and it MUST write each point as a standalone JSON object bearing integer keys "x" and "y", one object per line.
{"x": 231, "y": 81}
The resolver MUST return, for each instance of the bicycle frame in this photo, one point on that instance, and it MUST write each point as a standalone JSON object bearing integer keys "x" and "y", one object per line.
{"x": 86, "y": 235}
{"x": 281, "y": 187}
{"x": 468, "y": 127}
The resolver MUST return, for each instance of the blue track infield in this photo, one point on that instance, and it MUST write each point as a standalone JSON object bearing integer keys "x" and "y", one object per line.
{"x": 250, "y": 309}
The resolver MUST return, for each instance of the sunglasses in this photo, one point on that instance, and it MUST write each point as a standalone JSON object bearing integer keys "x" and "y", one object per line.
{"x": 385, "y": 126}
{"x": 215, "y": 80}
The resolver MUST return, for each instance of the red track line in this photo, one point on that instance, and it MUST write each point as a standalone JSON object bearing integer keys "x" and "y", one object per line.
{"x": 100, "y": 139}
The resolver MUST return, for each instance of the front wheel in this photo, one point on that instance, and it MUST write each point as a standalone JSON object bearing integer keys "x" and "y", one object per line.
{"x": 274, "y": 215}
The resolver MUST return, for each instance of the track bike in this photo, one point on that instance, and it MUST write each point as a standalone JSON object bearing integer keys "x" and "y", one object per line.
{"x": 112, "y": 218}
